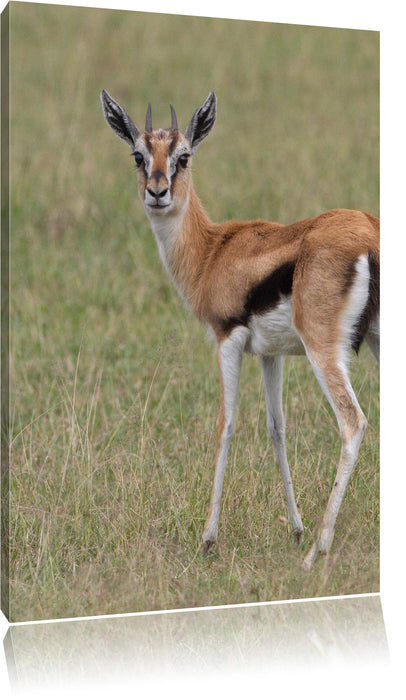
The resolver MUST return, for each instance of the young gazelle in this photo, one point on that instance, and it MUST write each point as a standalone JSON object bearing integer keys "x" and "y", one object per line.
{"x": 311, "y": 288}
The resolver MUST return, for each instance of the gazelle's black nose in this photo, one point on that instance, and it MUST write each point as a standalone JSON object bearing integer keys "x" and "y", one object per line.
{"x": 157, "y": 194}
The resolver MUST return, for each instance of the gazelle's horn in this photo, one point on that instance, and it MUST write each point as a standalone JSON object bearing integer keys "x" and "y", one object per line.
{"x": 148, "y": 119}
{"x": 174, "y": 124}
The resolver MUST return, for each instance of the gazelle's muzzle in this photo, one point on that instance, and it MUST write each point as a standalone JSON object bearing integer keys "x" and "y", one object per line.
{"x": 157, "y": 191}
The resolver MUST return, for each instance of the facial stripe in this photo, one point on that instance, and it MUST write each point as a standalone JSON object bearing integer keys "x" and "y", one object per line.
{"x": 176, "y": 169}
{"x": 147, "y": 140}
{"x": 157, "y": 175}
{"x": 174, "y": 141}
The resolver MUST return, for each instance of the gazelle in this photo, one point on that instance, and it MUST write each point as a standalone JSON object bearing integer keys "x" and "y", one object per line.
{"x": 311, "y": 288}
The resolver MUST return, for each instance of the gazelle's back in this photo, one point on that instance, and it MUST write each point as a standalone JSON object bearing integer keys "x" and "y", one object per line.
{"x": 252, "y": 265}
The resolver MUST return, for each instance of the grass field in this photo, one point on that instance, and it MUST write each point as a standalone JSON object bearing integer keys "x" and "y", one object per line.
{"x": 114, "y": 385}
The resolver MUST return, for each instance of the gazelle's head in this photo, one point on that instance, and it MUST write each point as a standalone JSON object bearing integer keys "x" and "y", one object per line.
{"x": 162, "y": 156}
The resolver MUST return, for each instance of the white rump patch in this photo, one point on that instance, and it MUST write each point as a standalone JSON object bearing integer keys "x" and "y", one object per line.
{"x": 355, "y": 305}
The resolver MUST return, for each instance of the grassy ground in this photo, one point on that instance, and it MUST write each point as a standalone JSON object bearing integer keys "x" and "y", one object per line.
{"x": 114, "y": 385}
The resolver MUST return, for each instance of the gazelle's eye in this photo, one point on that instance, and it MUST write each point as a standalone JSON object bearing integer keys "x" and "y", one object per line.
{"x": 139, "y": 158}
{"x": 183, "y": 160}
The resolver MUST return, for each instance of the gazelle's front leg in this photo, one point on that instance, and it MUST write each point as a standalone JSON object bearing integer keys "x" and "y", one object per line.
{"x": 272, "y": 371}
{"x": 230, "y": 353}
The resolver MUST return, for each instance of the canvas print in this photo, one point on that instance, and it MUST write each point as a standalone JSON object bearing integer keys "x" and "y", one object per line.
{"x": 190, "y": 312}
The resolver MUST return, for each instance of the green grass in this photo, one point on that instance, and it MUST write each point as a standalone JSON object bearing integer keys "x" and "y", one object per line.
{"x": 114, "y": 385}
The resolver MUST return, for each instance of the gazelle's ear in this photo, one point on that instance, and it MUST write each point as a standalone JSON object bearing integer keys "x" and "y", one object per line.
{"x": 202, "y": 122}
{"x": 118, "y": 119}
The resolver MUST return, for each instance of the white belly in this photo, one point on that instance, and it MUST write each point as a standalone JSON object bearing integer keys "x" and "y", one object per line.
{"x": 273, "y": 333}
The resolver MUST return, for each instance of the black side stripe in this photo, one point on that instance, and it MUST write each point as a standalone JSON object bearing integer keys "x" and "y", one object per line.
{"x": 264, "y": 297}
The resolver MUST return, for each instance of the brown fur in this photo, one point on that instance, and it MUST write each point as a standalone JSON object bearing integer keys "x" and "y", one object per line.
{"x": 218, "y": 264}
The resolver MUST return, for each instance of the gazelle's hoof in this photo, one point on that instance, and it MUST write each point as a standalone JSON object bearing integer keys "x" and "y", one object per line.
{"x": 310, "y": 557}
{"x": 297, "y": 535}
{"x": 321, "y": 546}
{"x": 206, "y": 545}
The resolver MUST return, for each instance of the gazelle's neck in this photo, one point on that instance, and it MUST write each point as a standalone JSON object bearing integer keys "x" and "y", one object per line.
{"x": 183, "y": 239}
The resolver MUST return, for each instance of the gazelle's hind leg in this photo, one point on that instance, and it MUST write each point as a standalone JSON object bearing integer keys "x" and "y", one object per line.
{"x": 326, "y": 323}
{"x": 373, "y": 338}
{"x": 334, "y": 380}
{"x": 272, "y": 371}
